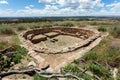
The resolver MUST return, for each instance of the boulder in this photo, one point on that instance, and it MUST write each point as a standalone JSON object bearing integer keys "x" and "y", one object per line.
{"x": 38, "y": 38}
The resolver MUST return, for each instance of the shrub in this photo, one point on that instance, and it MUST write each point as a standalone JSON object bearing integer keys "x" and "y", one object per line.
{"x": 100, "y": 71}
{"x": 6, "y": 30}
{"x": 91, "y": 56}
{"x": 65, "y": 24}
{"x": 74, "y": 69}
{"x": 3, "y": 45}
{"x": 93, "y": 23}
{"x": 38, "y": 77}
{"x": 5, "y": 61}
{"x": 20, "y": 28}
{"x": 115, "y": 31}
{"x": 16, "y": 58}
{"x": 102, "y": 28}
{"x": 46, "y": 25}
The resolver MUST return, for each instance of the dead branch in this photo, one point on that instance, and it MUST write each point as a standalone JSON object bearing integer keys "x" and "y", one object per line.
{"x": 35, "y": 70}
{"x": 5, "y": 50}
{"x": 61, "y": 76}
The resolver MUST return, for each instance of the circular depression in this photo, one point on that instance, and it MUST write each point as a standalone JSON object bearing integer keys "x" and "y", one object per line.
{"x": 57, "y": 39}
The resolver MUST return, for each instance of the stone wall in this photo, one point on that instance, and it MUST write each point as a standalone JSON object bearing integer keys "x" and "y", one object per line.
{"x": 29, "y": 37}
{"x": 69, "y": 31}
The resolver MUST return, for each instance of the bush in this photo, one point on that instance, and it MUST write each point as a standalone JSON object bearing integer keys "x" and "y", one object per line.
{"x": 93, "y": 23}
{"x": 91, "y": 56}
{"x": 65, "y": 24}
{"x": 6, "y": 30}
{"x": 74, "y": 69}
{"x": 5, "y": 61}
{"x": 38, "y": 77}
{"x": 3, "y": 45}
{"x": 16, "y": 58}
{"x": 115, "y": 31}
{"x": 44, "y": 25}
{"x": 102, "y": 28}
{"x": 100, "y": 71}
{"x": 20, "y": 28}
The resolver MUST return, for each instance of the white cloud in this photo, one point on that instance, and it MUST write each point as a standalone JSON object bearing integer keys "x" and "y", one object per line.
{"x": 114, "y": 7}
{"x": 75, "y": 3}
{"x": 3, "y": 2}
{"x": 66, "y": 8}
{"x": 47, "y": 1}
{"x": 29, "y": 6}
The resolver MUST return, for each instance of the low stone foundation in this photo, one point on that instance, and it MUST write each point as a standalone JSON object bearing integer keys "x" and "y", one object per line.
{"x": 35, "y": 36}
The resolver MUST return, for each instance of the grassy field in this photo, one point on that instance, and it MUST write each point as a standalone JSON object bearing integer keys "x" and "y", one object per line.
{"x": 99, "y": 60}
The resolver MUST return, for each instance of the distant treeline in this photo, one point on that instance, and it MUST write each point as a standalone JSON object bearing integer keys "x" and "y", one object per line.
{"x": 49, "y": 19}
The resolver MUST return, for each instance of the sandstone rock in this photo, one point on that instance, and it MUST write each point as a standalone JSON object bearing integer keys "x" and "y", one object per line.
{"x": 38, "y": 38}
{"x": 32, "y": 63}
{"x": 52, "y": 34}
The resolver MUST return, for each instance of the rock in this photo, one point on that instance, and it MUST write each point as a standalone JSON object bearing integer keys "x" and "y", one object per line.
{"x": 32, "y": 63}
{"x": 43, "y": 64}
{"x": 30, "y": 36}
{"x": 51, "y": 34}
{"x": 38, "y": 38}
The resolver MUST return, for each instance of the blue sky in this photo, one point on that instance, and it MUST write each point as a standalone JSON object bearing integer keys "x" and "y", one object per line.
{"x": 29, "y": 8}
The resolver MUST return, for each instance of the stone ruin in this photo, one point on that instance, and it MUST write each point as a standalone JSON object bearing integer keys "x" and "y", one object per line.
{"x": 36, "y": 36}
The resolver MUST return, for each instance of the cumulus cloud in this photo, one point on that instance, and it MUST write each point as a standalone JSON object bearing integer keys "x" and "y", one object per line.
{"x": 29, "y": 6}
{"x": 75, "y": 3}
{"x": 3, "y": 2}
{"x": 66, "y": 8}
{"x": 114, "y": 7}
{"x": 48, "y": 1}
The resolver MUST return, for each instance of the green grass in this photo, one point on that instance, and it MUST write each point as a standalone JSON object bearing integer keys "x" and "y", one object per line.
{"x": 16, "y": 40}
{"x": 38, "y": 77}
{"x": 104, "y": 52}
{"x": 74, "y": 69}
{"x": 98, "y": 70}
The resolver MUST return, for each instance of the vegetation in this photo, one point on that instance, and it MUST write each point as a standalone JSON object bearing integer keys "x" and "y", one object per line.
{"x": 104, "y": 54}
{"x": 38, "y": 77}
{"x": 115, "y": 31}
{"x": 7, "y": 61}
{"x": 64, "y": 24}
{"x": 74, "y": 69}
{"x": 20, "y": 28}
{"x": 102, "y": 28}
{"x": 6, "y": 30}
{"x": 3, "y": 45}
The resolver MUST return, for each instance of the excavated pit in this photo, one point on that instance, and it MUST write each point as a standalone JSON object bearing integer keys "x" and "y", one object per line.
{"x": 57, "y": 40}
{"x": 58, "y": 46}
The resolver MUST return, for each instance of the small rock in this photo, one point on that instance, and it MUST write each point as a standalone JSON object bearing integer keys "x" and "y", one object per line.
{"x": 32, "y": 63}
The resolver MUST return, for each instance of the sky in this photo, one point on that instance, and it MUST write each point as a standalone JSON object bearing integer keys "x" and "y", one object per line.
{"x": 38, "y": 8}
